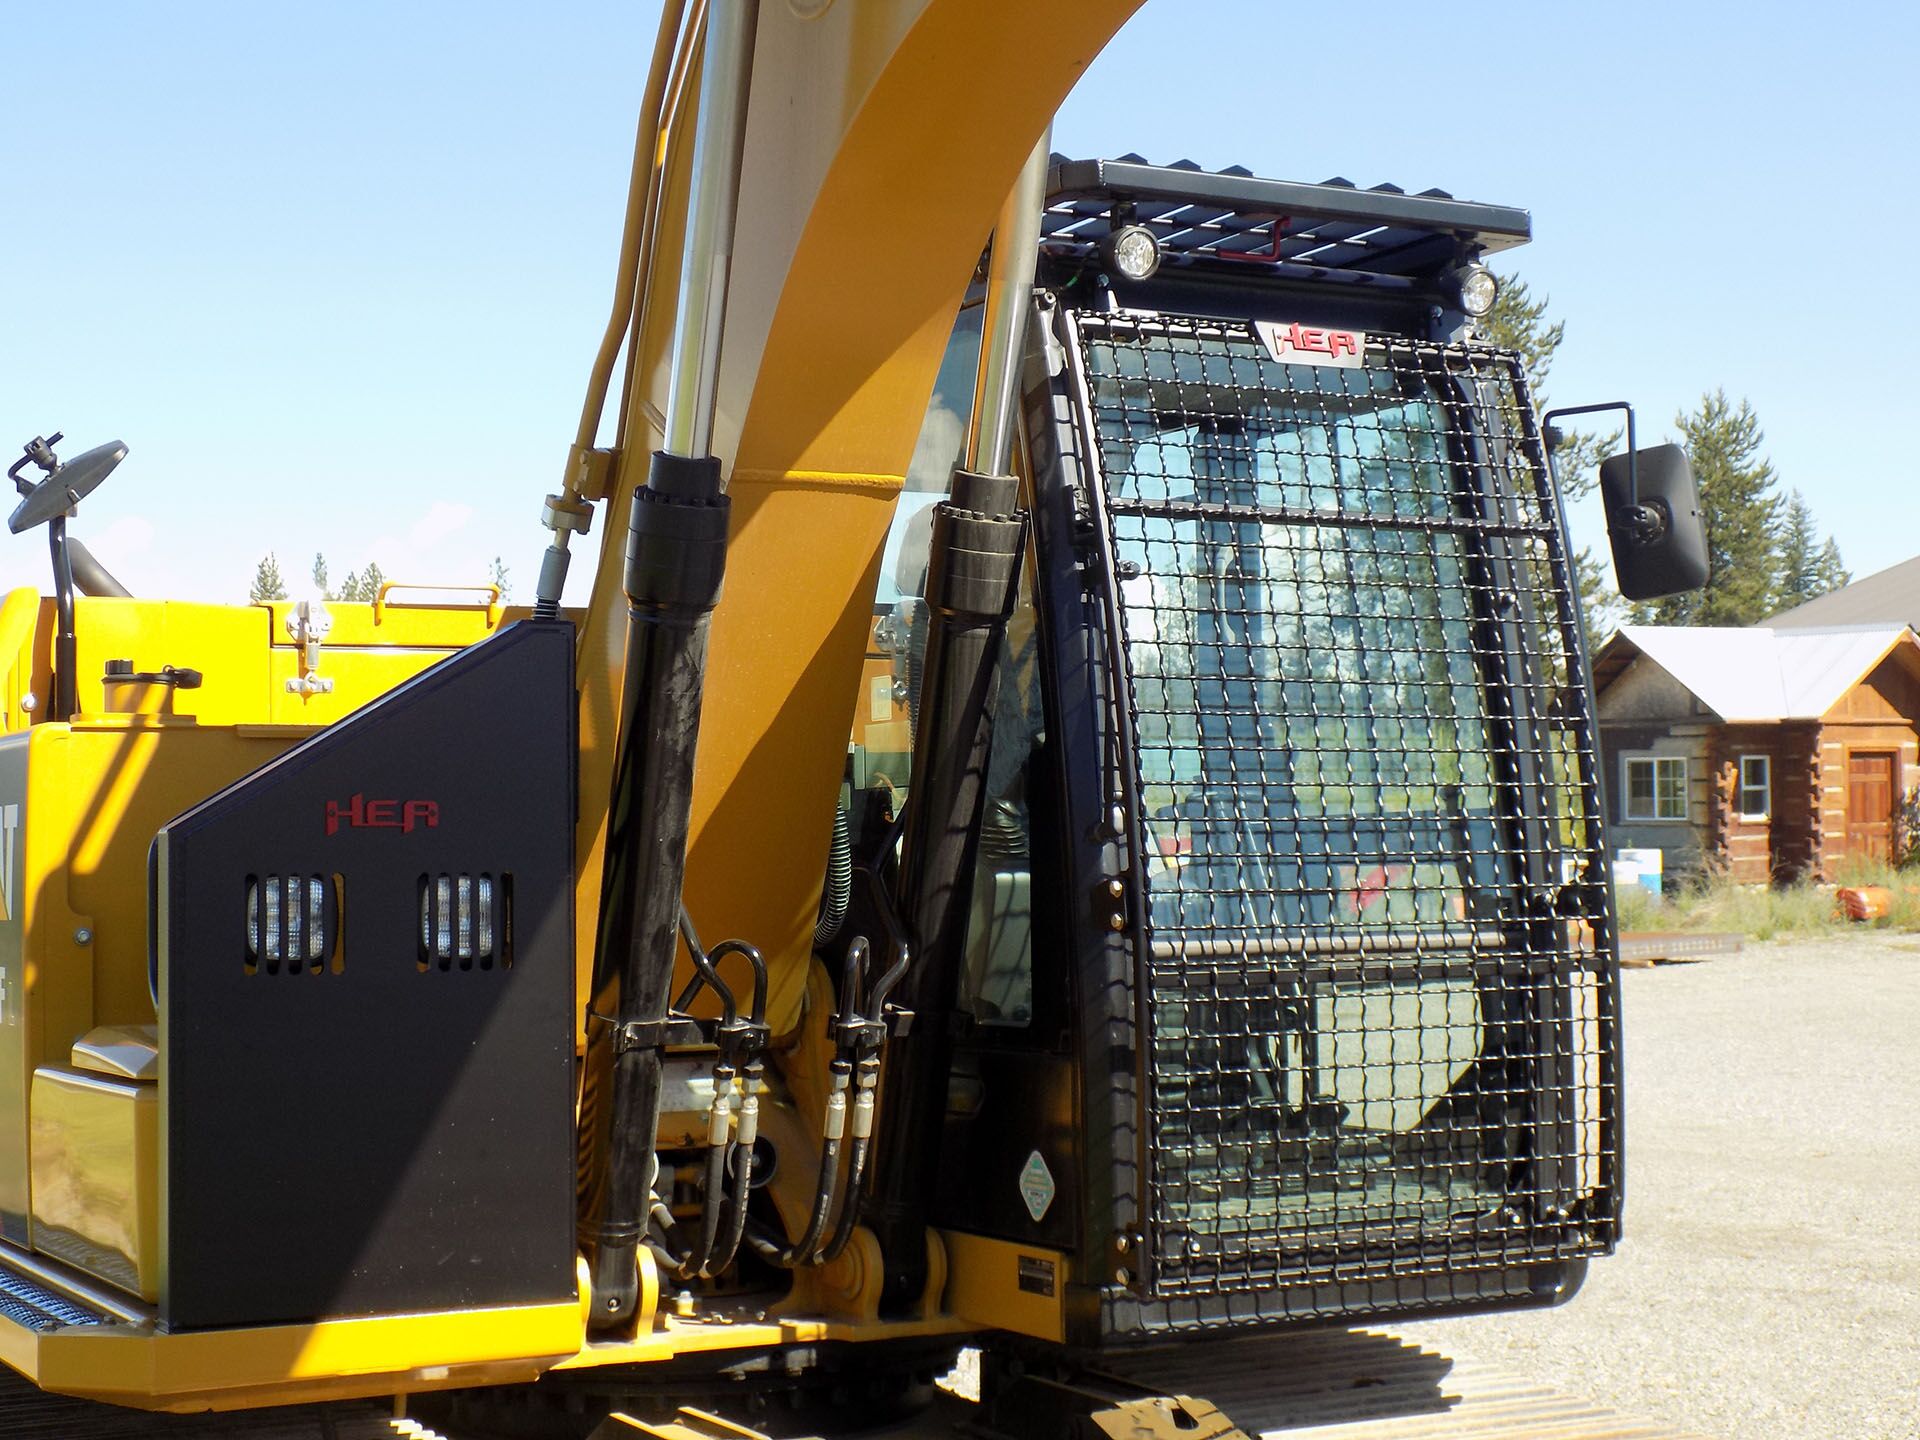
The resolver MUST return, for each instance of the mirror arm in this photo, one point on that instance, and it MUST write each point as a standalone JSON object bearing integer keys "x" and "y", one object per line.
{"x": 1644, "y": 518}
{"x": 66, "y": 650}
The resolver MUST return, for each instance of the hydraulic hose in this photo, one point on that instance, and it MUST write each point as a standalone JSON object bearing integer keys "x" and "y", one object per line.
{"x": 637, "y": 229}
{"x": 838, "y": 894}
{"x": 866, "y": 1079}
{"x": 801, "y": 1252}
{"x": 865, "y": 1096}
{"x": 729, "y": 1149}
{"x": 636, "y": 236}
{"x": 719, "y": 1149}
{"x": 744, "y": 1139}
{"x": 806, "y": 1250}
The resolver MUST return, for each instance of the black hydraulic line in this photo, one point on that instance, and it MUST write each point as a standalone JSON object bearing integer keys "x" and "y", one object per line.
{"x": 748, "y": 1132}
{"x": 973, "y": 556}
{"x": 801, "y": 1252}
{"x": 850, "y": 1209}
{"x": 676, "y": 556}
{"x": 740, "y": 1047}
{"x": 739, "y": 1043}
{"x": 805, "y": 1250}
{"x": 719, "y": 1151}
{"x": 660, "y": 1239}
{"x": 866, "y": 1082}
{"x": 705, "y": 974}
{"x": 866, "y": 1079}
{"x": 719, "y": 1241}
{"x": 757, "y": 1007}
{"x": 884, "y": 987}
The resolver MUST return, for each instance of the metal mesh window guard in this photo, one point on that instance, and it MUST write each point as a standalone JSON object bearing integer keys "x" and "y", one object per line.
{"x": 1381, "y": 1030}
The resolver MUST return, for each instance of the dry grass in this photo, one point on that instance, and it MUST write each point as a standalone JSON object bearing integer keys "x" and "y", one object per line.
{"x": 1770, "y": 914}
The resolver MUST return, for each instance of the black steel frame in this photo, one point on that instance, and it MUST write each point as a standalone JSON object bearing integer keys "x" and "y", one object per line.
{"x": 1120, "y": 1293}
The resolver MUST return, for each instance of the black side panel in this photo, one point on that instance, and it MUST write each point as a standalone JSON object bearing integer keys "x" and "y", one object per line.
{"x": 351, "y": 1126}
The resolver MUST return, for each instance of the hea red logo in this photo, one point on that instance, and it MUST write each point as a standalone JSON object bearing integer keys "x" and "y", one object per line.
{"x": 1311, "y": 345}
{"x": 360, "y": 813}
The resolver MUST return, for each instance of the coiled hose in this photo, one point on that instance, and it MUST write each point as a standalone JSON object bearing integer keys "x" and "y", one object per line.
{"x": 838, "y": 894}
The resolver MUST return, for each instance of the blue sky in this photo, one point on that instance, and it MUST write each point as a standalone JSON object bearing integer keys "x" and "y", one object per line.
{"x": 335, "y": 274}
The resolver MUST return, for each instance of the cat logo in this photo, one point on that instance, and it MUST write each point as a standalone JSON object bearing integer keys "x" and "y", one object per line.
{"x": 9, "y": 832}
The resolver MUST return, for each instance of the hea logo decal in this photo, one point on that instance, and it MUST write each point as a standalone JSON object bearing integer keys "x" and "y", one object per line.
{"x": 9, "y": 836}
{"x": 1298, "y": 344}
{"x": 360, "y": 813}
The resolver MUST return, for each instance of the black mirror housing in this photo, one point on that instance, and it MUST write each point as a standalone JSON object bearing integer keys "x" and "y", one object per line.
{"x": 1658, "y": 535}
{"x": 66, "y": 487}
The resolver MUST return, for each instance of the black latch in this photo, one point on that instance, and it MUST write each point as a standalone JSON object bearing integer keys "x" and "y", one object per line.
{"x": 121, "y": 672}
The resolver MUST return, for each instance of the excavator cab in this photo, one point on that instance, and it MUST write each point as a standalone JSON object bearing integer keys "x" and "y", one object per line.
{"x": 1286, "y": 987}
{"x": 1214, "y": 933}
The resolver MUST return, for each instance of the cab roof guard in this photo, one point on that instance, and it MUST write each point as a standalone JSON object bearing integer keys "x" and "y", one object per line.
{"x": 1333, "y": 230}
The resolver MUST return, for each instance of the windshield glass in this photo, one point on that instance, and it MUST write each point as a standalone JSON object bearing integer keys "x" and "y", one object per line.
{"x": 1312, "y": 726}
{"x": 1360, "y": 784}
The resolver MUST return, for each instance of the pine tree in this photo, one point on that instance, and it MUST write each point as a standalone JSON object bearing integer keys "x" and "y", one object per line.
{"x": 1518, "y": 322}
{"x": 267, "y": 584}
{"x": 1798, "y": 550}
{"x": 1743, "y": 517}
{"x": 320, "y": 576}
{"x": 362, "y": 585}
{"x": 497, "y": 574}
{"x": 1601, "y": 608}
{"x": 1829, "y": 573}
{"x": 1809, "y": 567}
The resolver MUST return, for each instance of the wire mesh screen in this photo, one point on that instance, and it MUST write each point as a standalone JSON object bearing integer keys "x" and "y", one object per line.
{"x": 1380, "y": 1027}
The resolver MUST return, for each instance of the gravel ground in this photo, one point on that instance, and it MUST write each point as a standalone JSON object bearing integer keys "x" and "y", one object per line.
{"x": 1769, "y": 1284}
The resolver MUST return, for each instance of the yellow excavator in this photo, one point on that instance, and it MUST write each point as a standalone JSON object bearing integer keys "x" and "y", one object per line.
{"x": 1068, "y": 821}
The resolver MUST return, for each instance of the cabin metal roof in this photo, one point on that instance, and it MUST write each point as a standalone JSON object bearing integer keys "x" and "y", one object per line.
{"x": 1236, "y": 217}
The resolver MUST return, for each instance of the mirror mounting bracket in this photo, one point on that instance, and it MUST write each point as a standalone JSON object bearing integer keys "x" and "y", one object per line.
{"x": 1553, "y": 437}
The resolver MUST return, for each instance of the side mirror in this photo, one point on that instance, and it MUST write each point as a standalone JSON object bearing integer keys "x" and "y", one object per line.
{"x": 66, "y": 487}
{"x": 1654, "y": 524}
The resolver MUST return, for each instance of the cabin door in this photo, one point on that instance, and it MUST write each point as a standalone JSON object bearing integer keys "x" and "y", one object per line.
{"x": 1870, "y": 806}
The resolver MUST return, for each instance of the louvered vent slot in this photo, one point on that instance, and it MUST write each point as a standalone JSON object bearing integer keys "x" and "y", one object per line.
{"x": 465, "y": 922}
{"x": 293, "y": 925}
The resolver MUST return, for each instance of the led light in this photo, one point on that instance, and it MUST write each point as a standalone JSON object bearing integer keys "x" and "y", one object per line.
{"x": 1475, "y": 287}
{"x": 462, "y": 920}
{"x": 291, "y": 921}
{"x": 1133, "y": 251}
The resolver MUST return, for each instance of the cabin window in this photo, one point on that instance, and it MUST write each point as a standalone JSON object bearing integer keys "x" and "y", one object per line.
{"x": 1656, "y": 787}
{"x": 1756, "y": 787}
